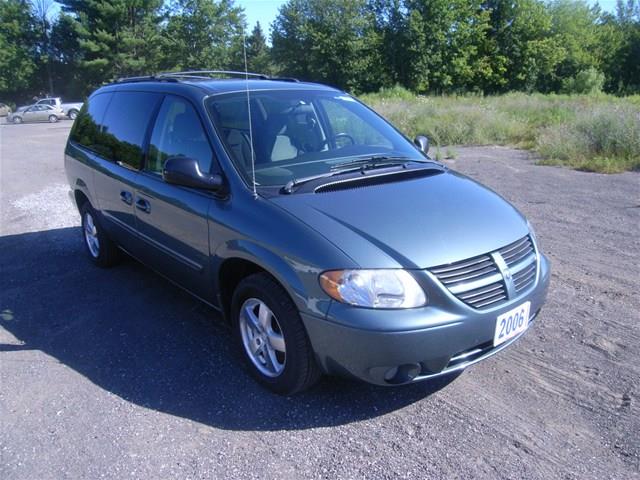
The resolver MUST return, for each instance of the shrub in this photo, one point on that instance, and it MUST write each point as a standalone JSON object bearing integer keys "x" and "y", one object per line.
{"x": 586, "y": 82}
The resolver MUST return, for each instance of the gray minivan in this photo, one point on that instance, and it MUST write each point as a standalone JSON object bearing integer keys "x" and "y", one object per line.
{"x": 330, "y": 242}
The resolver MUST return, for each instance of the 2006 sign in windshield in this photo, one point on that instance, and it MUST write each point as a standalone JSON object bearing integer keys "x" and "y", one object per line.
{"x": 511, "y": 323}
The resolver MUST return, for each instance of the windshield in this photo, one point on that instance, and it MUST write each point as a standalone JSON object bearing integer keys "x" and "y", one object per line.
{"x": 300, "y": 133}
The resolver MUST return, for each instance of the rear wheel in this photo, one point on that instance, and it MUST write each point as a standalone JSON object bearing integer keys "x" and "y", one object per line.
{"x": 53, "y": 118}
{"x": 271, "y": 337}
{"x": 101, "y": 249}
{"x": 73, "y": 114}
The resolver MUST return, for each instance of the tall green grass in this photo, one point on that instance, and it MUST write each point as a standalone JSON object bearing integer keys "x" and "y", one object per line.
{"x": 598, "y": 133}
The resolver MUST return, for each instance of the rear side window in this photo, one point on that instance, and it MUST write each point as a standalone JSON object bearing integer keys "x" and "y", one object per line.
{"x": 125, "y": 126}
{"x": 178, "y": 132}
{"x": 87, "y": 128}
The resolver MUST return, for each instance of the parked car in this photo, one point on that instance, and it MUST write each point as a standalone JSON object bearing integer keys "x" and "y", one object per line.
{"x": 329, "y": 242}
{"x": 5, "y": 110}
{"x": 69, "y": 110}
{"x": 37, "y": 113}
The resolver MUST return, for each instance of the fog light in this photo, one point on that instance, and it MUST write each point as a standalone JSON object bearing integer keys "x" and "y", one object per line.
{"x": 402, "y": 373}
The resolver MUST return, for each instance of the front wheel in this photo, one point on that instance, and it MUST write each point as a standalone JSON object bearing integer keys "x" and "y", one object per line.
{"x": 17, "y": 120}
{"x": 53, "y": 119}
{"x": 101, "y": 249}
{"x": 73, "y": 114}
{"x": 271, "y": 336}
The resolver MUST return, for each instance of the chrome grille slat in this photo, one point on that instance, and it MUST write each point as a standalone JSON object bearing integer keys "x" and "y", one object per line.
{"x": 469, "y": 276}
{"x": 478, "y": 281}
{"x": 490, "y": 302}
{"x": 462, "y": 264}
{"x": 504, "y": 251}
{"x": 461, "y": 271}
{"x": 480, "y": 291}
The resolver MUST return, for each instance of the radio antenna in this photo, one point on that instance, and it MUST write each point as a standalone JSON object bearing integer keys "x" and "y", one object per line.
{"x": 246, "y": 82}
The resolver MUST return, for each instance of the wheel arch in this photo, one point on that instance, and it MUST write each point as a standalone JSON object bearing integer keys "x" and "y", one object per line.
{"x": 240, "y": 259}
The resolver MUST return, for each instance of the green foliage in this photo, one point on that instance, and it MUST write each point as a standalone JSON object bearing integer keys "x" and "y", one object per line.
{"x": 599, "y": 133}
{"x": 424, "y": 46}
{"x": 330, "y": 41}
{"x": 204, "y": 35}
{"x": 588, "y": 81}
{"x": 17, "y": 47}
{"x": 115, "y": 38}
{"x": 258, "y": 52}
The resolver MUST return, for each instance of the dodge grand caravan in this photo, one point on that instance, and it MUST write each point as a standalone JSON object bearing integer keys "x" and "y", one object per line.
{"x": 330, "y": 242}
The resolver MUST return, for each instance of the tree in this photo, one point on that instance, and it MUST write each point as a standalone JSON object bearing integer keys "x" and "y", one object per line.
{"x": 204, "y": 34}
{"x": 452, "y": 52}
{"x": 331, "y": 41}
{"x": 115, "y": 38}
{"x": 526, "y": 53}
{"x": 258, "y": 52}
{"x": 17, "y": 47}
{"x": 574, "y": 26}
{"x": 619, "y": 45}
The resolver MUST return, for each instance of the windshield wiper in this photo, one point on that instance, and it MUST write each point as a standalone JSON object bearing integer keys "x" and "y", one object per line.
{"x": 361, "y": 164}
{"x": 373, "y": 161}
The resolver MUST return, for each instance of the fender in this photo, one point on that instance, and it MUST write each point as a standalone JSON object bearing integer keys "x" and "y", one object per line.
{"x": 298, "y": 279}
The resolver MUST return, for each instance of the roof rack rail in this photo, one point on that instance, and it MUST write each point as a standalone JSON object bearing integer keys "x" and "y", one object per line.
{"x": 200, "y": 75}
{"x": 145, "y": 78}
{"x": 208, "y": 73}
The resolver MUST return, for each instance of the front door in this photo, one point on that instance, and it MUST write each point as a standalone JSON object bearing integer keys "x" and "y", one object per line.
{"x": 171, "y": 219}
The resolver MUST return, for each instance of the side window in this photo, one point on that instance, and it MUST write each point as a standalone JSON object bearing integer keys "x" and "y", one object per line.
{"x": 178, "y": 132}
{"x": 87, "y": 127}
{"x": 125, "y": 126}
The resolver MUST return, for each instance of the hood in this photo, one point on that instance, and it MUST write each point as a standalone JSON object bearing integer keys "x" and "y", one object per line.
{"x": 416, "y": 223}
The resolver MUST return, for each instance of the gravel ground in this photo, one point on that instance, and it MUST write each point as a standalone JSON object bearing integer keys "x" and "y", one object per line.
{"x": 115, "y": 373}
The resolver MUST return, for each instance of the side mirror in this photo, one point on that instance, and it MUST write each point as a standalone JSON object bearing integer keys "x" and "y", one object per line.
{"x": 185, "y": 171}
{"x": 422, "y": 143}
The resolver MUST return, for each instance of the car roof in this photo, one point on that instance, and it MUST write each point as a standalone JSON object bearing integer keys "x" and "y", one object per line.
{"x": 201, "y": 86}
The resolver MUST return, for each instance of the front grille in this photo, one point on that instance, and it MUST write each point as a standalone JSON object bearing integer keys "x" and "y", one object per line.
{"x": 515, "y": 252}
{"x": 476, "y": 281}
{"x": 480, "y": 283}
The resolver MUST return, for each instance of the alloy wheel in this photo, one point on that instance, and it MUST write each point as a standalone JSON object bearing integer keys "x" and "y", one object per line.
{"x": 91, "y": 235}
{"x": 262, "y": 337}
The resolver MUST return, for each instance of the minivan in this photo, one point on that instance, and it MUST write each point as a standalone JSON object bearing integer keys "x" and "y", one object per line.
{"x": 330, "y": 242}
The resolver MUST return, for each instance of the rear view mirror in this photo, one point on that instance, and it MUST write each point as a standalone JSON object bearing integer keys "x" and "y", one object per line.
{"x": 185, "y": 171}
{"x": 422, "y": 143}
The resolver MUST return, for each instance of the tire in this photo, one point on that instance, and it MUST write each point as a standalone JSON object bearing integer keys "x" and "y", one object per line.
{"x": 16, "y": 120}
{"x": 299, "y": 370}
{"x": 102, "y": 251}
{"x": 73, "y": 114}
{"x": 53, "y": 118}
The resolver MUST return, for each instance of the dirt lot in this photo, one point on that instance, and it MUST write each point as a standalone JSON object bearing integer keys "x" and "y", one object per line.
{"x": 117, "y": 374}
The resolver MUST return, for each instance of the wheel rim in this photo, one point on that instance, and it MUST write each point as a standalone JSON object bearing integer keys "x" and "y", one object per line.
{"x": 73, "y": 115}
{"x": 53, "y": 119}
{"x": 262, "y": 337}
{"x": 91, "y": 235}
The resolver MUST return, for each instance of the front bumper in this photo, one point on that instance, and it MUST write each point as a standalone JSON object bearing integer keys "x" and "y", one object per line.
{"x": 386, "y": 347}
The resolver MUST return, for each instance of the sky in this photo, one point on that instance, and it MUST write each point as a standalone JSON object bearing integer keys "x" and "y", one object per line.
{"x": 264, "y": 11}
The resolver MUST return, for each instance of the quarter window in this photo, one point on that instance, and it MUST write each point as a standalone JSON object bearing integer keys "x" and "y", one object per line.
{"x": 87, "y": 128}
{"x": 178, "y": 132}
{"x": 125, "y": 126}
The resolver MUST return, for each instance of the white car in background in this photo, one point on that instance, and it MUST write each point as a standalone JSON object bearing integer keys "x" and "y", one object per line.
{"x": 36, "y": 113}
{"x": 69, "y": 110}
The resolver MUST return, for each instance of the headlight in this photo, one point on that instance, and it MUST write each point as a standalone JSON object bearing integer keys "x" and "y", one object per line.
{"x": 373, "y": 288}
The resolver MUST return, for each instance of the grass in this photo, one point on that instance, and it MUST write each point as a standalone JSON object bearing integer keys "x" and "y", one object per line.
{"x": 599, "y": 133}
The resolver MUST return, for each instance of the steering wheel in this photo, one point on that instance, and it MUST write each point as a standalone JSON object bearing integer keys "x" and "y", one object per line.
{"x": 337, "y": 136}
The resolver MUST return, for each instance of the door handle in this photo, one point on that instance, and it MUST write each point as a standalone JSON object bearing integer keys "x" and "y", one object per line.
{"x": 142, "y": 204}
{"x": 126, "y": 197}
